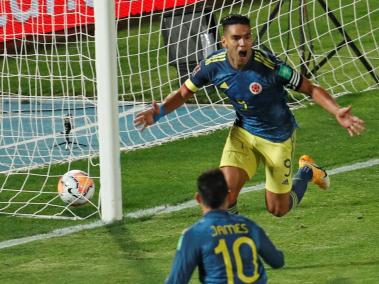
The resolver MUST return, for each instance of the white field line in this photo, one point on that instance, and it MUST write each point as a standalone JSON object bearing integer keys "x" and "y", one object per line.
{"x": 52, "y": 234}
{"x": 192, "y": 203}
{"x": 161, "y": 209}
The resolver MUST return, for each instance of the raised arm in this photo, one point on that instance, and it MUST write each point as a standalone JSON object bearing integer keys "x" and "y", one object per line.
{"x": 171, "y": 102}
{"x": 353, "y": 124}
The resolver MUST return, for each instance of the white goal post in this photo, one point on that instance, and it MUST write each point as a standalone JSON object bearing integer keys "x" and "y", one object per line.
{"x": 73, "y": 74}
{"x": 107, "y": 110}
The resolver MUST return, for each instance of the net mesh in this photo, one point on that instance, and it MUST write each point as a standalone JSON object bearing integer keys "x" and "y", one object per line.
{"x": 48, "y": 78}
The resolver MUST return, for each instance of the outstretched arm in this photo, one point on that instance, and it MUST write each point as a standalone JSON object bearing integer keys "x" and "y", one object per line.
{"x": 353, "y": 124}
{"x": 171, "y": 102}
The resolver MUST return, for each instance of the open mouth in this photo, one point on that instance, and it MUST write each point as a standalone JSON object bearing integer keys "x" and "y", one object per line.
{"x": 242, "y": 53}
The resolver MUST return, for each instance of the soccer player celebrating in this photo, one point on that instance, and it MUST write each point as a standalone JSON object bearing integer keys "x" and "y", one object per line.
{"x": 264, "y": 129}
{"x": 227, "y": 248}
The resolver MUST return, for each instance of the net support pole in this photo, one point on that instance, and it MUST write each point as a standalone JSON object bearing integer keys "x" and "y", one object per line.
{"x": 349, "y": 41}
{"x": 107, "y": 111}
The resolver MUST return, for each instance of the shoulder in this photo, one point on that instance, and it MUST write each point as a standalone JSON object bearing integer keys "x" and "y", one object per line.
{"x": 216, "y": 56}
{"x": 243, "y": 219}
{"x": 195, "y": 228}
{"x": 209, "y": 68}
{"x": 267, "y": 54}
{"x": 187, "y": 236}
{"x": 265, "y": 58}
{"x": 206, "y": 64}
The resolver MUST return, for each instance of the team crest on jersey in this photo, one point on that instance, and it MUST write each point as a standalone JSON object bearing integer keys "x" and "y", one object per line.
{"x": 255, "y": 88}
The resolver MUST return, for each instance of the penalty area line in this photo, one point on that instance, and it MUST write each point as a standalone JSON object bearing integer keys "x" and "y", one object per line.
{"x": 161, "y": 209}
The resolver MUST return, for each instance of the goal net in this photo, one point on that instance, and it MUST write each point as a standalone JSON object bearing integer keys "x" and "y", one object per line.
{"x": 48, "y": 101}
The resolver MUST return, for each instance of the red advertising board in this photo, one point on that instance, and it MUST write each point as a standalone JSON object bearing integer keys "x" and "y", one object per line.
{"x": 19, "y": 18}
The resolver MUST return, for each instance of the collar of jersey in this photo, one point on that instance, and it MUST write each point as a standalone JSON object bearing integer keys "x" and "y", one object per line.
{"x": 216, "y": 212}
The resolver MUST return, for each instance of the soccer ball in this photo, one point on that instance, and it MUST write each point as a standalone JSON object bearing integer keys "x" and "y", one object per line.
{"x": 76, "y": 187}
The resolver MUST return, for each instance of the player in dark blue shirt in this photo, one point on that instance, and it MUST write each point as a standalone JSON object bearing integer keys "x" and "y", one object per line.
{"x": 255, "y": 81}
{"x": 226, "y": 248}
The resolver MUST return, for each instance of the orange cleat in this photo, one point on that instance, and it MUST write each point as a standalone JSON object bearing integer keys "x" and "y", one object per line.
{"x": 319, "y": 177}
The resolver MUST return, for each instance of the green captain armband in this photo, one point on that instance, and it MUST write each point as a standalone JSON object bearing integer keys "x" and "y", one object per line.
{"x": 162, "y": 113}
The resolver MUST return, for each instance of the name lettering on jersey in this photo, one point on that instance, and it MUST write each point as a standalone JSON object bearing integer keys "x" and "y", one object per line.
{"x": 215, "y": 58}
{"x": 258, "y": 56}
{"x": 224, "y": 86}
{"x": 238, "y": 228}
{"x": 255, "y": 88}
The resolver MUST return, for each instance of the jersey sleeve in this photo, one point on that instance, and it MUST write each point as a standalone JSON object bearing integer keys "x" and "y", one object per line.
{"x": 198, "y": 78}
{"x": 185, "y": 261}
{"x": 287, "y": 76}
{"x": 269, "y": 253}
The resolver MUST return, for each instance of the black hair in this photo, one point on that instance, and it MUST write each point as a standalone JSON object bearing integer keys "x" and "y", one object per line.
{"x": 235, "y": 19}
{"x": 213, "y": 188}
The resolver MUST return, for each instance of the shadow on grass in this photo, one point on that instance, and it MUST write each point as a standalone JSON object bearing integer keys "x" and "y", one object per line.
{"x": 141, "y": 265}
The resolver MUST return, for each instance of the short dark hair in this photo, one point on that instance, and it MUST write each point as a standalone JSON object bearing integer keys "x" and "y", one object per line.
{"x": 212, "y": 187}
{"x": 235, "y": 19}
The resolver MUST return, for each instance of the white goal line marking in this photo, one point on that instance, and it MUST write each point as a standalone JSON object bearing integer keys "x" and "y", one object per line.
{"x": 160, "y": 210}
{"x": 191, "y": 203}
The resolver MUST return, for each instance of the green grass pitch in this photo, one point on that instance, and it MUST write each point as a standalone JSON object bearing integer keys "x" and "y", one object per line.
{"x": 330, "y": 238}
